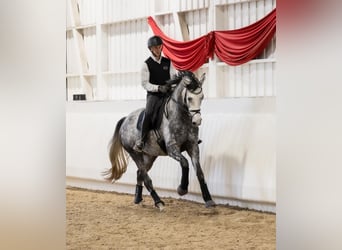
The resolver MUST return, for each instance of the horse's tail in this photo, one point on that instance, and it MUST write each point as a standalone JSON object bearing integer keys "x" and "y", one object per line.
{"x": 117, "y": 155}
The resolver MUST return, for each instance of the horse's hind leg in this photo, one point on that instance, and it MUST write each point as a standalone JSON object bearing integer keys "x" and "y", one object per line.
{"x": 148, "y": 184}
{"x": 144, "y": 164}
{"x": 174, "y": 152}
{"x": 138, "y": 188}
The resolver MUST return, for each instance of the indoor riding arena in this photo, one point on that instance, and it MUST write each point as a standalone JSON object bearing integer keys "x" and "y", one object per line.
{"x": 234, "y": 44}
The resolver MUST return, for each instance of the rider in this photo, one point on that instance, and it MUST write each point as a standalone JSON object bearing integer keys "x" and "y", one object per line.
{"x": 156, "y": 70}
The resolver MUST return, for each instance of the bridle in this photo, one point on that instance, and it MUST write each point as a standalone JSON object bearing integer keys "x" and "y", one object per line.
{"x": 192, "y": 112}
{"x": 184, "y": 106}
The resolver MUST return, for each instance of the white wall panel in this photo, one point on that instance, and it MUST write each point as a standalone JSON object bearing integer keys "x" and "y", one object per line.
{"x": 268, "y": 79}
{"x": 238, "y": 14}
{"x": 87, "y": 11}
{"x": 252, "y": 79}
{"x": 125, "y": 86}
{"x": 238, "y": 81}
{"x": 252, "y": 13}
{"x": 261, "y": 79}
{"x": 68, "y": 16}
{"x": 89, "y": 36}
{"x": 121, "y": 10}
{"x": 126, "y": 42}
{"x": 248, "y": 80}
{"x": 245, "y": 14}
{"x": 72, "y": 55}
{"x": 261, "y": 11}
{"x": 245, "y": 82}
{"x": 74, "y": 86}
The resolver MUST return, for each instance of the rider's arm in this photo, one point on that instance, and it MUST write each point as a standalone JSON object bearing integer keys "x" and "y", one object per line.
{"x": 145, "y": 79}
{"x": 173, "y": 71}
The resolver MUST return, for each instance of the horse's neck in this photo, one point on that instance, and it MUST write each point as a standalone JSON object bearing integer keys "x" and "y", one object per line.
{"x": 177, "y": 93}
{"x": 177, "y": 108}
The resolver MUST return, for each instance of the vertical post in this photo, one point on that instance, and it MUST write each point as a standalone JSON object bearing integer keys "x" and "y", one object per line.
{"x": 102, "y": 93}
{"x": 79, "y": 45}
{"x": 181, "y": 26}
{"x": 212, "y": 70}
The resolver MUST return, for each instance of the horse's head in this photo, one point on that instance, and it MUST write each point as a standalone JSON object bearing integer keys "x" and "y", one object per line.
{"x": 192, "y": 95}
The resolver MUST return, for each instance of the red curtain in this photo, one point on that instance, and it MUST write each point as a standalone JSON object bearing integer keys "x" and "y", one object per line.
{"x": 233, "y": 47}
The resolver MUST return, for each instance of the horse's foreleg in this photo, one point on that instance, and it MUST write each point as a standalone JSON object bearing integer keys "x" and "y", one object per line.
{"x": 204, "y": 188}
{"x": 174, "y": 152}
{"x": 200, "y": 176}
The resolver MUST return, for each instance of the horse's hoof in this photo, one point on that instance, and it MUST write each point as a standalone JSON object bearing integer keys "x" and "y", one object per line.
{"x": 210, "y": 203}
{"x": 181, "y": 191}
{"x": 160, "y": 205}
{"x": 137, "y": 200}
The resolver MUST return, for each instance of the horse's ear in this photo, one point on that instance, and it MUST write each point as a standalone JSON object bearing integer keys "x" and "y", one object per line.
{"x": 187, "y": 80}
{"x": 202, "y": 79}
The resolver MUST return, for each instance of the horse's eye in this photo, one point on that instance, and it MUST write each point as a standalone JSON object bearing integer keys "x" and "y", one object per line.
{"x": 189, "y": 99}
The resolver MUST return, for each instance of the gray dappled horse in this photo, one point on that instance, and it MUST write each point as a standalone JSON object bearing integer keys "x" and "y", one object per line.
{"x": 178, "y": 132}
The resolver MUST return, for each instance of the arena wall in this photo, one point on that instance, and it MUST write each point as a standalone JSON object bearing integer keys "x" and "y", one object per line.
{"x": 237, "y": 153}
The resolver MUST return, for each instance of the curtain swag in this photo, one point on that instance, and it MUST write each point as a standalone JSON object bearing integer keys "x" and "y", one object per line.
{"x": 233, "y": 47}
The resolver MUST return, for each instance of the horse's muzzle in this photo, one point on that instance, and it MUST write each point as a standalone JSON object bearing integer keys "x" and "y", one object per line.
{"x": 196, "y": 119}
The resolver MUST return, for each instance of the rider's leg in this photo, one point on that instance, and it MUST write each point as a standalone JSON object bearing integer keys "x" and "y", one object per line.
{"x": 139, "y": 144}
{"x": 146, "y": 124}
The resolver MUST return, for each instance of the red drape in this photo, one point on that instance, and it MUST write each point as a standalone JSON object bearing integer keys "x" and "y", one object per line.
{"x": 236, "y": 47}
{"x": 233, "y": 47}
{"x": 189, "y": 55}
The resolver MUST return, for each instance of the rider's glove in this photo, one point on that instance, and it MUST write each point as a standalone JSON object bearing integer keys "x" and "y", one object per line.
{"x": 164, "y": 88}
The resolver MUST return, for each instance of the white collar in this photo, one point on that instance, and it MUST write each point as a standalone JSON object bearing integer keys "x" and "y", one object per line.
{"x": 155, "y": 59}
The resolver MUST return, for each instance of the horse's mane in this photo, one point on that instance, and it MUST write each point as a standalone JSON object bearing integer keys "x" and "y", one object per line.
{"x": 192, "y": 84}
